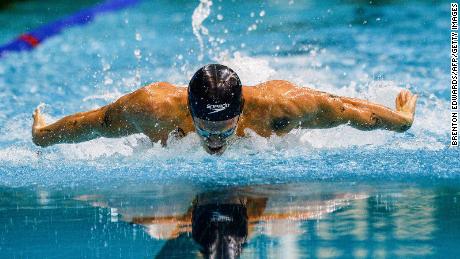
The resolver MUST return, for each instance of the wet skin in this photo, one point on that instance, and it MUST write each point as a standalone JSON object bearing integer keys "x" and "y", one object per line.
{"x": 273, "y": 107}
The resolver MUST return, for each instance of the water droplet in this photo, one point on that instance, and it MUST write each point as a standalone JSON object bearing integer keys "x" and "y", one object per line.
{"x": 262, "y": 13}
{"x": 108, "y": 81}
{"x": 220, "y": 17}
{"x": 137, "y": 53}
{"x": 201, "y": 13}
{"x": 253, "y": 27}
{"x": 138, "y": 36}
{"x": 105, "y": 66}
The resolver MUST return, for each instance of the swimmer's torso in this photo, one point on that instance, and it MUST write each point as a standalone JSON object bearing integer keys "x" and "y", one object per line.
{"x": 160, "y": 109}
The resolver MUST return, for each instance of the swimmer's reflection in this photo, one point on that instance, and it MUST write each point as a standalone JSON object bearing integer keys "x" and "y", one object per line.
{"x": 221, "y": 228}
{"x": 220, "y": 222}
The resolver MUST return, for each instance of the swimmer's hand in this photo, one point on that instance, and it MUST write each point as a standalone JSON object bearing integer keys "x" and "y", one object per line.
{"x": 39, "y": 120}
{"x": 405, "y": 104}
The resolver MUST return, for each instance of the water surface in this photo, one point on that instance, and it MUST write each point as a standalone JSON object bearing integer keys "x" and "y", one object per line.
{"x": 359, "y": 194}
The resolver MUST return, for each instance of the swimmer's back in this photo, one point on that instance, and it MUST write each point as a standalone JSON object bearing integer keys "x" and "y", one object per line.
{"x": 154, "y": 110}
{"x": 274, "y": 107}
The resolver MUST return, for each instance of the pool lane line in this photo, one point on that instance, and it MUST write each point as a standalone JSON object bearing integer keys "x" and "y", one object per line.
{"x": 29, "y": 40}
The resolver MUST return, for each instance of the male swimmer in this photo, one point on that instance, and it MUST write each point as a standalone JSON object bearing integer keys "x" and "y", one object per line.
{"x": 217, "y": 107}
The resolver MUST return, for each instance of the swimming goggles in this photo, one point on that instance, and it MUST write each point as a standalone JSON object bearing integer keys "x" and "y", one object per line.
{"x": 222, "y": 135}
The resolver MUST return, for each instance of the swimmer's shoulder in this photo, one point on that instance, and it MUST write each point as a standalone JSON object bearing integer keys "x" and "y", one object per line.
{"x": 157, "y": 94}
{"x": 159, "y": 87}
{"x": 159, "y": 91}
{"x": 275, "y": 86}
{"x": 156, "y": 102}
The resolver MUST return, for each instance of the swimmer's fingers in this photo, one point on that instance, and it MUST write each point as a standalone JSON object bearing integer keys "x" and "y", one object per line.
{"x": 39, "y": 121}
{"x": 413, "y": 102}
{"x": 36, "y": 114}
{"x": 398, "y": 102}
{"x": 401, "y": 99}
{"x": 409, "y": 100}
{"x": 405, "y": 101}
{"x": 406, "y": 96}
{"x": 37, "y": 110}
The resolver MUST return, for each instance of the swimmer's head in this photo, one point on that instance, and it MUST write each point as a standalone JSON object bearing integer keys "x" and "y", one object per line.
{"x": 220, "y": 229}
{"x": 215, "y": 102}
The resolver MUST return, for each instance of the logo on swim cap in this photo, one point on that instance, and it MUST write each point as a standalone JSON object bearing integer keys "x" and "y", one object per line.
{"x": 217, "y": 107}
{"x": 217, "y": 217}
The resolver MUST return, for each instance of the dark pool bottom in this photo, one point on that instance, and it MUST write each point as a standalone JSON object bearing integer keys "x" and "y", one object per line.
{"x": 316, "y": 219}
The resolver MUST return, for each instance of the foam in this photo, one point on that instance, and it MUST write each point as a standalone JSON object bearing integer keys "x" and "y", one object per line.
{"x": 250, "y": 70}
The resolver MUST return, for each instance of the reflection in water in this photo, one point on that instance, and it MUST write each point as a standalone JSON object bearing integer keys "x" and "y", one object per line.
{"x": 220, "y": 222}
{"x": 221, "y": 227}
{"x": 268, "y": 221}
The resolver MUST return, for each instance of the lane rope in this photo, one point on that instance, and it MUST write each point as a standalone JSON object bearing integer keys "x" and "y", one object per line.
{"x": 28, "y": 41}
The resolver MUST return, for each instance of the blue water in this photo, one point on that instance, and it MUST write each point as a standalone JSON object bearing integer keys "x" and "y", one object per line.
{"x": 395, "y": 194}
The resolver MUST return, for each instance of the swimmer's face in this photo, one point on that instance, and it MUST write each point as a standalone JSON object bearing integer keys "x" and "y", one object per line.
{"x": 215, "y": 134}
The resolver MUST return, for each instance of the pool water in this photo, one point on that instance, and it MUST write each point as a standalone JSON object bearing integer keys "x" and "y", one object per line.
{"x": 320, "y": 193}
{"x": 320, "y": 219}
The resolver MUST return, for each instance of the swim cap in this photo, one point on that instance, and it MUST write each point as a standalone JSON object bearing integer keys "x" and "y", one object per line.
{"x": 221, "y": 229}
{"x": 215, "y": 93}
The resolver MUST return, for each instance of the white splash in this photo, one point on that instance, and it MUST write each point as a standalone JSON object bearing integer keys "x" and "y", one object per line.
{"x": 201, "y": 13}
{"x": 107, "y": 96}
{"x": 250, "y": 70}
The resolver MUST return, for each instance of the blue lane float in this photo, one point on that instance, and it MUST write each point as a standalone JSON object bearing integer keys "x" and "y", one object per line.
{"x": 32, "y": 39}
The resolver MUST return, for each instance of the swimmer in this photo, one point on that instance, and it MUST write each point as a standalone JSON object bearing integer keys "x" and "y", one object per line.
{"x": 217, "y": 107}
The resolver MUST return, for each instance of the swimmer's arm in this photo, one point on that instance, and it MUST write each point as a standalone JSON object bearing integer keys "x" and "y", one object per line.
{"x": 364, "y": 115}
{"x": 79, "y": 127}
{"x": 133, "y": 113}
{"x": 74, "y": 128}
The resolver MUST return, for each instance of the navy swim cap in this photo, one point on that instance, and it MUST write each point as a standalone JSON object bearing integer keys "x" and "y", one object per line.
{"x": 215, "y": 93}
{"x": 221, "y": 229}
